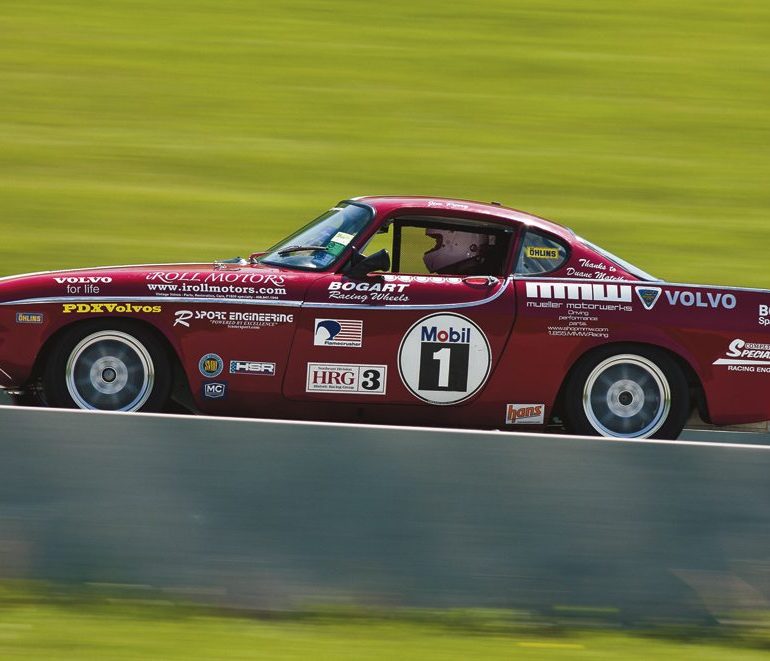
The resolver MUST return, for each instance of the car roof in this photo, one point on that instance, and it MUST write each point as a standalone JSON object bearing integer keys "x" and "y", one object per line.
{"x": 386, "y": 204}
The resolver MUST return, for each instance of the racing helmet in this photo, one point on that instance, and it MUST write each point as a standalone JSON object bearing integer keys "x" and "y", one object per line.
{"x": 455, "y": 251}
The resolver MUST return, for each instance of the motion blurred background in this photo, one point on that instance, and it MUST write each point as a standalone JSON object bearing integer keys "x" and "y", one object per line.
{"x": 141, "y": 131}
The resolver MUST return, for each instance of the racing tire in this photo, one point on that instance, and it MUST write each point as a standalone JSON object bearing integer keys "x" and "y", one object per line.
{"x": 107, "y": 366}
{"x": 627, "y": 391}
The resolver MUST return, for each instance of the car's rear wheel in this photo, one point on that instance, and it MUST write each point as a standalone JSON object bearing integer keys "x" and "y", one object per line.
{"x": 107, "y": 366}
{"x": 627, "y": 392}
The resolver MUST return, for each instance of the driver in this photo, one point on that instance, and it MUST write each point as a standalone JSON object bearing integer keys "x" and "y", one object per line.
{"x": 461, "y": 253}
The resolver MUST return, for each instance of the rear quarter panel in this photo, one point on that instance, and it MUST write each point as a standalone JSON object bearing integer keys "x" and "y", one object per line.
{"x": 560, "y": 321}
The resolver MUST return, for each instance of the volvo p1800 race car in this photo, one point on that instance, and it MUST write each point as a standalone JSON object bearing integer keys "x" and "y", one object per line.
{"x": 397, "y": 310}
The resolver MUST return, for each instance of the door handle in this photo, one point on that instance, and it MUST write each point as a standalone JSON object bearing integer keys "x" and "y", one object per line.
{"x": 480, "y": 280}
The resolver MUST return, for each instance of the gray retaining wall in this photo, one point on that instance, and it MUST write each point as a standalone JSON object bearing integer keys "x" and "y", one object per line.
{"x": 277, "y": 514}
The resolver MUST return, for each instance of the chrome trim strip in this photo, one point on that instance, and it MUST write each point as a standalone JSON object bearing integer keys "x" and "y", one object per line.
{"x": 8, "y": 376}
{"x": 187, "y": 300}
{"x": 427, "y": 306}
{"x": 153, "y": 299}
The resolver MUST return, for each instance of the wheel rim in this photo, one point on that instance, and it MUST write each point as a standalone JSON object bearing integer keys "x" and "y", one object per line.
{"x": 109, "y": 371}
{"x": 627, "y": 396}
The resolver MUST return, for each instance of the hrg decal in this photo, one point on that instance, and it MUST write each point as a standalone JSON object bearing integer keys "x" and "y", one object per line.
{"x": 347, "y": 378}
{"x": 525, "y": 414}
{"x": 444, "y": 359}
{"x": 338, "y": 333}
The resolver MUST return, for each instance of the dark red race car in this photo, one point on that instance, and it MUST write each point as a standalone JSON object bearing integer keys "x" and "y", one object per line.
{"x": 397, "y": 310}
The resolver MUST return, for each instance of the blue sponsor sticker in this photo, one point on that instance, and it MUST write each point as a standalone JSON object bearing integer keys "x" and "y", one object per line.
{"x": 211, "y": 365}
{"x": 648, "y": 296}
{"x": 252, "y": 367}
{"x": 214, "y": 390}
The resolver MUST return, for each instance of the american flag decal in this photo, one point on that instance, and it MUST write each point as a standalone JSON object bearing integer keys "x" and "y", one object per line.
{"x": 338, "y": 333}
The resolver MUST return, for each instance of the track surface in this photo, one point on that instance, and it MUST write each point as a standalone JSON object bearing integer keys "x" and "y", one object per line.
{"x": 697, "y": 435}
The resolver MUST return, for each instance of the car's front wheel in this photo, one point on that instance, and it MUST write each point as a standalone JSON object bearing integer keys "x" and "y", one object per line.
{"x": 627, "y": 392}
{"x": 107, "y": 366}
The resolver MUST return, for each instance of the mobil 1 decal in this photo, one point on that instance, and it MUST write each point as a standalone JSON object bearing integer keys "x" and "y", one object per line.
{"x": 444, "y": 358}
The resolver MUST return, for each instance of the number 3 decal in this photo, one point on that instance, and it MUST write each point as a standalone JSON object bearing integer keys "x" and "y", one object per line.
{"x": 371, "y": 380}
{"x": 444, "y": 359}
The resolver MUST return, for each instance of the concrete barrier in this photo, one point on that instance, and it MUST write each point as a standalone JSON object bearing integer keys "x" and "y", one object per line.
{"x": 279, "y": 514}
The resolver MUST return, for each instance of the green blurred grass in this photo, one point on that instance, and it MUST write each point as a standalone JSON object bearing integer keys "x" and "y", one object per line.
{"x": 138, "y": 131}
{"x": 138, "y": 629}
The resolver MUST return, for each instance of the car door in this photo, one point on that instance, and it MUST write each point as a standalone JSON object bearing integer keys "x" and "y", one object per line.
{"x": 399, "y": 338}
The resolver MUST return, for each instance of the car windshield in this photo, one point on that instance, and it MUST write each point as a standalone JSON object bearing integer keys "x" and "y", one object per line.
{"x": 630, "y": 268}
{"x": 321, "y": 242}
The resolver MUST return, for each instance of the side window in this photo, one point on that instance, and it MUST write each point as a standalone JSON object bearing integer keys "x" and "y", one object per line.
{"x": 445, "y": 246}
{"x": 540, "y": 254}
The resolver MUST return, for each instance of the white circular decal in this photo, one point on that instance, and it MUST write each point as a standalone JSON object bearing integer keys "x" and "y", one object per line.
{"x": 444, "y": 358}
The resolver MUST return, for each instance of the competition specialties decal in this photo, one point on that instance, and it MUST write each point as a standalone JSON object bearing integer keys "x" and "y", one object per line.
{"x": 444, "y": 359}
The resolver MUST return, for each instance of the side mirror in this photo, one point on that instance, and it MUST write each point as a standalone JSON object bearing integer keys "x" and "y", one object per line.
{"x": 378, "y": 261}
